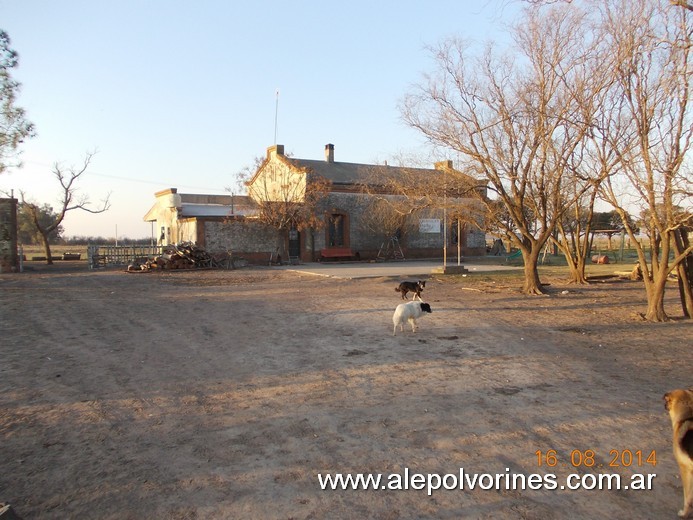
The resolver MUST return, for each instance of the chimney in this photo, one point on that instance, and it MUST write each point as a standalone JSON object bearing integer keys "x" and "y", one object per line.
{"x": 329, "y": 153}
{"x": 277, "y": 149}
{"x": 443, "y": 165}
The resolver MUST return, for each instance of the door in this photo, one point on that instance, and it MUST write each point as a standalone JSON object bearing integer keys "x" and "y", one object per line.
{"x": 294, "y": 243}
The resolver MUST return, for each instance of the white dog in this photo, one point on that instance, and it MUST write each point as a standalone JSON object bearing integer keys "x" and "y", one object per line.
{"x": 409, "y": 311}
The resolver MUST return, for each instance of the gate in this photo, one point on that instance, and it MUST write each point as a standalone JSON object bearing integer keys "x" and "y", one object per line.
{"x": 101, "y": 256}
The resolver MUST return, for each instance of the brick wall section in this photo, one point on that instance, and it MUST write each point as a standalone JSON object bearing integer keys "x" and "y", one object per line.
{"x": 8, "y": 236}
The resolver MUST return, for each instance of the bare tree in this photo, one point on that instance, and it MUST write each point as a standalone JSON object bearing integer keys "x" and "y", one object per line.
{"x": 288, "y": 197}
{"x": 646, "y": 135}
{"x": 399, "y": 192}
{"x": 685, "y": 268}
{"x": 593, "y": 161}
{"x": 387, "y": 217}
{"x": 682, "y": 3}
{"x": 652, "y": 42}
{"x": 516, "y": 120}
{"x": 26, "y": 229}
{"x": 400, "y": 195}
{"x": 69, "y": 201}
{"x": 573, "y": 235}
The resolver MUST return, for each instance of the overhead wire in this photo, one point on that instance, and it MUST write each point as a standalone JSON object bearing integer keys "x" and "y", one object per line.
{"x": 139, "y": 180}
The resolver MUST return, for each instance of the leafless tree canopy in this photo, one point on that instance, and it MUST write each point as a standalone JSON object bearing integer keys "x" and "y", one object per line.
{"x": 400, "y": 196}
{"x": 591, "y": 102}
{"x": 289, "y": 198}
{"x": 516, "y": 120}
{"x": 652, "y": 77}
{"x": 70, "y": 200}
{"x": 682, "y": 3}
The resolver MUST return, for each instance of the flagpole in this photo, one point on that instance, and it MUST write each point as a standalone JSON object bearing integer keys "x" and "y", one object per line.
{"x": 276, "y": 114}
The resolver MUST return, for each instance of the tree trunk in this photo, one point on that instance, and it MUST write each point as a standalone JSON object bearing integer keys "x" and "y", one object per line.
{"x": 577, "y": 270}
{"x": 582, "y": 277}
{"x": 574, "y": 249}
{"x": 282, "y": 245}
{"x": 46, "y": 247}
{"x": 532, "y": 284}
{"x": 685, "y": 272}
{"x": 685, "y": 288}
{"x": 655, "y": 299}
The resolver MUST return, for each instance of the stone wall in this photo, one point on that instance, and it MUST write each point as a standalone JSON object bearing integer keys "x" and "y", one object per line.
{"x": 355, "y": 205}
{"x": 414, "y": 242}
{"x": 246, "y": 238}
{"x": 476, "y": 241}
{"x": 8, "y": 236}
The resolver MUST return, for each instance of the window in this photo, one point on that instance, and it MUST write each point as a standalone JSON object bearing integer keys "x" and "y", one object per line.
{"x": 335, "y": 230}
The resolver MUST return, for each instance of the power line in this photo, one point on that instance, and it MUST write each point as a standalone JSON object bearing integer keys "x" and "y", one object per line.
{"x": 158, "y": 183}
{"x": 139, "y": 180}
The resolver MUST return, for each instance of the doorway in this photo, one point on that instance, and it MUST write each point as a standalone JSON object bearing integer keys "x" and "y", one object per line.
{"x": 294, "y": 245}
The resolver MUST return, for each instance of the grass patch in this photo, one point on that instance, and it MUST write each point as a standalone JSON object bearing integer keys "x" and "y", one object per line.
{"x": 34, "y": 252}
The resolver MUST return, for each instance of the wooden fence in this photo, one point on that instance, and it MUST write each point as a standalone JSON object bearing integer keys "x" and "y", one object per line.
{"x": 100, "y": 255}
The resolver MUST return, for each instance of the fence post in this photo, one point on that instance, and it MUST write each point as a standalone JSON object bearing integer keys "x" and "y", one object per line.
{"x": 92, "y": 251}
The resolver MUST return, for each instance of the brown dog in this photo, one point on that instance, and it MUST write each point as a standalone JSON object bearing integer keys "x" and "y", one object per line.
{"x": 415, "y": 287}
{"x": 679, "y": 404}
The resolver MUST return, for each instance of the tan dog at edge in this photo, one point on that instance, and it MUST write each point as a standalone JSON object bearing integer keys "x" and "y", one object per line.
{"x": 679, "y": 404}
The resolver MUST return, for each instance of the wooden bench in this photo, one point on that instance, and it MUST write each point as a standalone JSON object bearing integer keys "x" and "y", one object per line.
{"x": 336, "y": 252}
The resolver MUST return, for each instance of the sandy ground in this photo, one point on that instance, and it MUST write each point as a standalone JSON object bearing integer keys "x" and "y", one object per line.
{"x": 225, "y": 394}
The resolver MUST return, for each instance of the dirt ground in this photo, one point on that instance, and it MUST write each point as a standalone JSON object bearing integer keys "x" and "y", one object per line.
{"x": 225, "y": 394}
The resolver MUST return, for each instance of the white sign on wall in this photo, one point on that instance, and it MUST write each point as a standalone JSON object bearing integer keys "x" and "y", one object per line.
{"x": 429, "y": 225}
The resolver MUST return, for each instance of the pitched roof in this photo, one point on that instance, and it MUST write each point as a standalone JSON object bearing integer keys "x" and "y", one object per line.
{"x": 191, "y": 209}
{"x": 198, "y": 205}
{"x": 350, "y": 176}
{"x": 344, "y": 173}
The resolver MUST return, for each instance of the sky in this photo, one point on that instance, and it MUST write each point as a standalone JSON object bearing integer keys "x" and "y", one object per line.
{"x": 181, "y": 94}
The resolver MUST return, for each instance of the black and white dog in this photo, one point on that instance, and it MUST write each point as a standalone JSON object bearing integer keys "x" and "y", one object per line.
{"x": 415, "y": 287}
{"x": 408, "y": 312}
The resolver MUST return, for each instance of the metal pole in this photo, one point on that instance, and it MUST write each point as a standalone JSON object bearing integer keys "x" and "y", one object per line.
{"x": 459, "y": 242}
{"x": 445, "y": 220}
{"x": 276, "y": 113}
{"x": 445, "y": 237}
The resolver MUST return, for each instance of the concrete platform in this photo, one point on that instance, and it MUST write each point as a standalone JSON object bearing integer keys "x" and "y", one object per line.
{"x": 404, "y": 269}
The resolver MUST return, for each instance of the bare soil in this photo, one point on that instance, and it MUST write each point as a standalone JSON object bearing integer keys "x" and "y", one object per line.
{"x": 223, "y": 394}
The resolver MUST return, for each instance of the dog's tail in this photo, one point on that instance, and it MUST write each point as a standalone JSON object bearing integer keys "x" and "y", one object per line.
{"x": 398, "y": 289}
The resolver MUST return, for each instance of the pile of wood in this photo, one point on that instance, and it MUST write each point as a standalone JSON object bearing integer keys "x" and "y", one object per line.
{"x": 184, "y": 256}
{"x": 635, "y": 274}
{"x": 179, "y": 256}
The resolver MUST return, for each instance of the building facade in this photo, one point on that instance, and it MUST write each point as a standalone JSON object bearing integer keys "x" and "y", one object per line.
{"x": 351, "y": 213}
